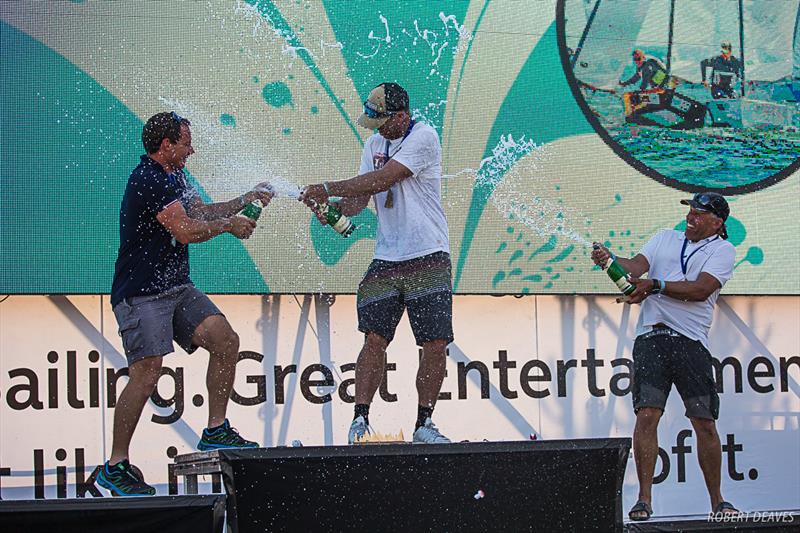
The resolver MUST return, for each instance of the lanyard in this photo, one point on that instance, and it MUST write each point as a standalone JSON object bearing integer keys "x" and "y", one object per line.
{"x": 408, "y": 132}
{"x": 389, "y": 194}
{"x": 685, "y": 262}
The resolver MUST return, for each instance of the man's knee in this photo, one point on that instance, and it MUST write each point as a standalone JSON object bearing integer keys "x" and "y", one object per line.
{"x": 216, "y": 335}
{"x": 230, "y": 340}
{"x": 144, "y": 374}
{"x": 436, "y": 348}
{"x": 225, "y": 342}
{"x": 374, "y": 344}
{"x": 705, "y": 428}
{"x": 647, "y": 418}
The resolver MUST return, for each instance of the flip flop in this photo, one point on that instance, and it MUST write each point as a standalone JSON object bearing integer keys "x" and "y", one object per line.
{"x": 726, "y": 506}
{"x": 641, "y": 507}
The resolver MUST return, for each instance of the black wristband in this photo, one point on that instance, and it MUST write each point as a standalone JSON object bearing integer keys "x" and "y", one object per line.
{"x": 656, "y": 286}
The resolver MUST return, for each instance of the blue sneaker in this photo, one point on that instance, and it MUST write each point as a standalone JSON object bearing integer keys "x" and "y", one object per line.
{"x": 124, "y": 479}
{"x": 223, "y": 436}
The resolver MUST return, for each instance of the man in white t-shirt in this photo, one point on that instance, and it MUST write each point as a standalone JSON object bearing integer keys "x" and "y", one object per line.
{"x": 401, "y": 169}
{"x": 686, "y": 271}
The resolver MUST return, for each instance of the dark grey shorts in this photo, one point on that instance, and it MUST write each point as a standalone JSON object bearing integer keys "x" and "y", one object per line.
{"x": 664, "y": 357}
{"x": 149, "y": 324}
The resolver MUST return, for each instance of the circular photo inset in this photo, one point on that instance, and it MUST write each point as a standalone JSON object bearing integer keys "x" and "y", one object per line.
{"x": 697, "y": 95}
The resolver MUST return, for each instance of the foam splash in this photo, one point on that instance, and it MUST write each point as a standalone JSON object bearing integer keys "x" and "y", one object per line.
{"x": 265, "y": 28}
{"x": 238, "y": 168}
{"x": 432, "y": 114}
{"x": 464, "y": 35}
{"x": 385, "y": 39}
{"x": 509, "y": 171}
{"x": 438, "y": 40}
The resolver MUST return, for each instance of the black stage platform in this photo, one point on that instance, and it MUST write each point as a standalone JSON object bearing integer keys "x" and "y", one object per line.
{"x": 769, "y": 521}
{"x": 549, "y": 486}
{"x": 164, "y": 514}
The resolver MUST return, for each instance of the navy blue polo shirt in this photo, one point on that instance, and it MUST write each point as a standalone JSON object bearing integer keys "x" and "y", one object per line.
{"x": 150, "y": 260}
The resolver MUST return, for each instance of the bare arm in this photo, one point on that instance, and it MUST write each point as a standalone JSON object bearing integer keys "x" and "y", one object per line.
{"x": 207, "y": 212}
{"x": 372, "y": 182}
{"x": 353, "y": 205}
{"x": 363, "y": 185}
{"x": 187, "y": 230}
{"x": 692, "y": 291}
{"x": 687, "y": 291}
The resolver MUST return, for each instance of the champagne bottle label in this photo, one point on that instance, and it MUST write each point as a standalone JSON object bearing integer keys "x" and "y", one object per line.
{"x": 619, "y": 276}
{"x": 337, "y": 220}
{"x": 252, "y": 210}
{"x": 341, "y": 224}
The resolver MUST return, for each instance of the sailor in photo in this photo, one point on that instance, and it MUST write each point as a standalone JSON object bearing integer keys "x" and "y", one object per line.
{"x": 725, "y": 68}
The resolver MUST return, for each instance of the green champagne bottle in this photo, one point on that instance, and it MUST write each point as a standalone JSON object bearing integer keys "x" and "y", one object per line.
{"x": 252, "y": 210}
{"x": 337, "y": 220}
{"x": 618, "y": 275}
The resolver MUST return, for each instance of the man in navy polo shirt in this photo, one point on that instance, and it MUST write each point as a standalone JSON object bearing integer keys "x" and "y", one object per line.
{"x": 155, "y": 301}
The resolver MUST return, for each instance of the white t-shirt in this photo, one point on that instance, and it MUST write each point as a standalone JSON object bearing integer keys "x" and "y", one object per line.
{"x": 415, "y": 225}
{"x": 712, "y": 255}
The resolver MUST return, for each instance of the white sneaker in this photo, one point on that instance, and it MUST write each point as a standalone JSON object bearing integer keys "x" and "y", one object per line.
{"x": 358, "y": 430}
{"x": 428, "y": 433}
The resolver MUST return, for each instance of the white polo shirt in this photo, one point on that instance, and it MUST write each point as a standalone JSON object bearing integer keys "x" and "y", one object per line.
{"x": 668, "y": 257}
{"x": 415, "y": 224}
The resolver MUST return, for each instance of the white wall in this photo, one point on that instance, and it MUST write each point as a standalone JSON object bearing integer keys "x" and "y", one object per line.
{"x": 44, "y": 407}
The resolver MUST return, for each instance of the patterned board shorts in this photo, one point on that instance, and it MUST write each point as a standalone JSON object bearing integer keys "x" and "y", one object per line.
{"x": 421, "y": 285}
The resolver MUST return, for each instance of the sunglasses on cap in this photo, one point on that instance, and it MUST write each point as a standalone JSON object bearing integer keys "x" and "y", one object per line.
{"x": 176, "y": 117}
{"x": 371, "y": 113}
{"x": 709, "y": 203}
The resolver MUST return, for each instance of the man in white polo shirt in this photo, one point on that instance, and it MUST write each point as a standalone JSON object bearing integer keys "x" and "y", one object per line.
{"x": 686, "y": 271}
{"x": 401, "y": 169}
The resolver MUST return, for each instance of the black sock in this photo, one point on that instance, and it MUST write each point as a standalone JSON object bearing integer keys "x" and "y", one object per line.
{"x": 423, "y": 413}
{"x": 362, "y": 409}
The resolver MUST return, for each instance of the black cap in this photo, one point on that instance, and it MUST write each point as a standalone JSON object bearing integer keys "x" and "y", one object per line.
{"x": 396, "y": 97}
{"x": 714, "y": 203}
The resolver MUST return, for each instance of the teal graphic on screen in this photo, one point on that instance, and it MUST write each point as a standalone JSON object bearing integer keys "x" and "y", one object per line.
{"x": 543, "y": 152}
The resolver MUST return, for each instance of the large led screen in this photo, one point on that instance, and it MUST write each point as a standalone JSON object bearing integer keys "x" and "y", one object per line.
{"x": 543, "y": 149}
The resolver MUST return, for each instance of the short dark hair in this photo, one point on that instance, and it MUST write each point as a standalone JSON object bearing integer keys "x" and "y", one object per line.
{"x": 162, "y": 126}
